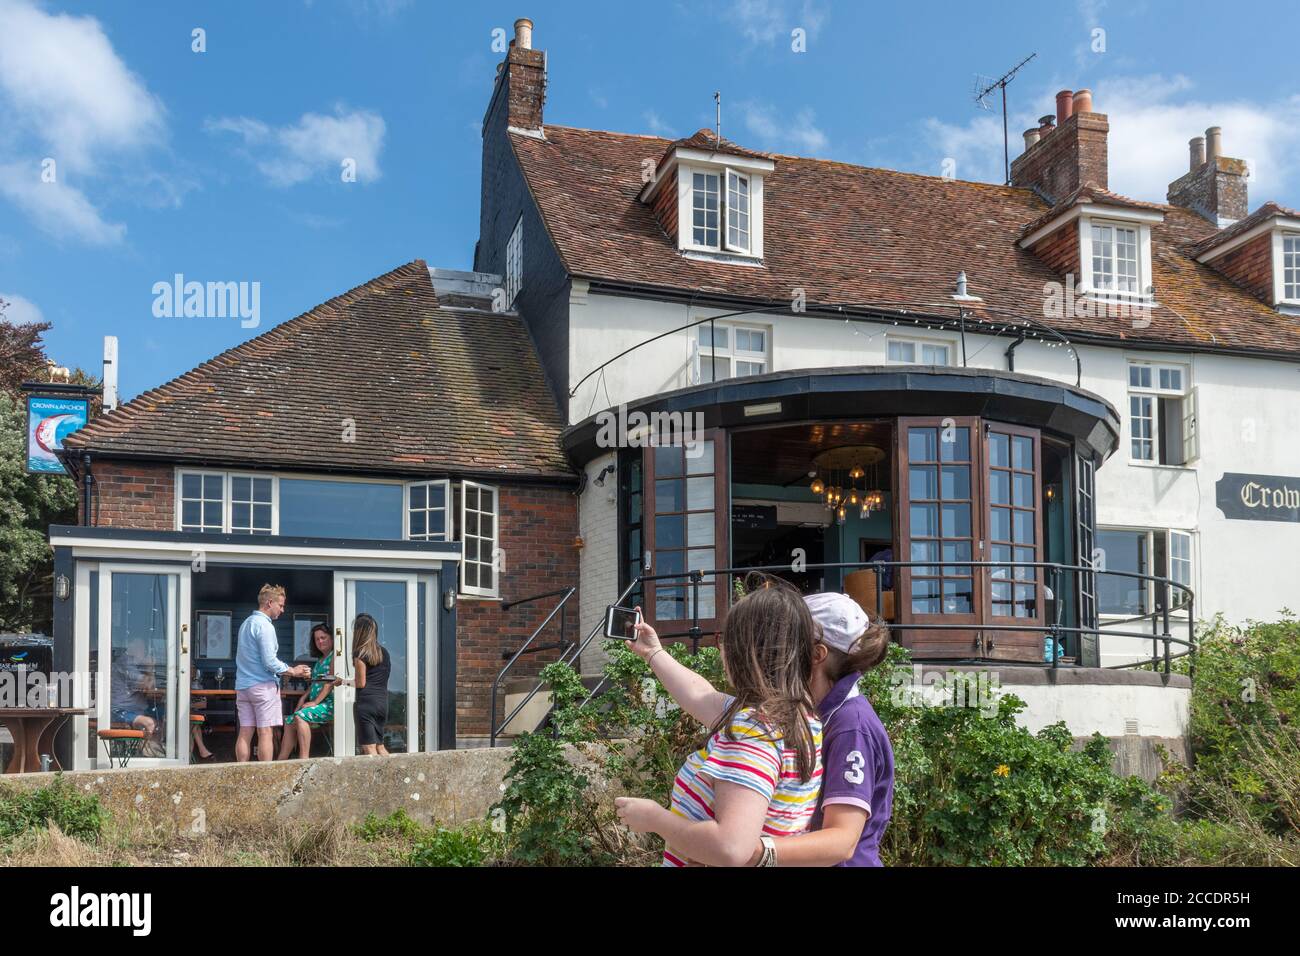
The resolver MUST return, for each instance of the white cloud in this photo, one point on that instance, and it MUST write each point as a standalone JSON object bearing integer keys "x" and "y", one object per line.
{"x": 799, "y": 133}
{"x": 20, "y": 311}
{"x": 657, "y": 125}
{"x": 62, "y": 83}
{"x": 57, "y": 208}
{"x": 315, "y": 144}
{"x": 763, "y": 22}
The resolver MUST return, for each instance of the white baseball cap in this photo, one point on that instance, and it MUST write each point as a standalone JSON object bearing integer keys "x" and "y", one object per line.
{"x": 841, "y": 618}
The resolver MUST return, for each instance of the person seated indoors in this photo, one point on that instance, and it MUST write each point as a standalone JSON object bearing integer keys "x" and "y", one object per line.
{"x": 315, "y": 707}
{"x": 131, "y": 677}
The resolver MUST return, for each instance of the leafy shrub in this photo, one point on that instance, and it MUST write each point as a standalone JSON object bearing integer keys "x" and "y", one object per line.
{"x": 472, "y": 845}
{"x": 969, "y": 789}
{"x": 397, "y": 825}
{"x": 76, "y": 814}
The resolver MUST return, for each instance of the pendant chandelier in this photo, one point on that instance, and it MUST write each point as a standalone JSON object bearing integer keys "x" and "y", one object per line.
{"x": 840, "y": 480}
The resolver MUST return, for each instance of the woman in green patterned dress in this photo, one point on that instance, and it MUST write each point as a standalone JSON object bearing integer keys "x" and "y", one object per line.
{"x": 316, "y": 706}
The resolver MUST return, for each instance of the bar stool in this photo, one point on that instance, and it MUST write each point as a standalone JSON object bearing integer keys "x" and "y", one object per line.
{"x": 122, "y": 743}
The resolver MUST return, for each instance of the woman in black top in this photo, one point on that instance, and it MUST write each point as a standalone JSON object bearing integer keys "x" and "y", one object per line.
{"x": 372, "y": 665}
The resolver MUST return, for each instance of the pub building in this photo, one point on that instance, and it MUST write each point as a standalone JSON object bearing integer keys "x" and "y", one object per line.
{"x": 1040, "y": 428}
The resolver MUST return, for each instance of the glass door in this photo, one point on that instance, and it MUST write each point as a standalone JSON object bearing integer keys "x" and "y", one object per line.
{"x": 143, "y": 660}
{"x": 391, "y": 718}
{"x": 939, "y": 521}
{"x": 1015, "y": 595}
{"x": 686, "y": 505}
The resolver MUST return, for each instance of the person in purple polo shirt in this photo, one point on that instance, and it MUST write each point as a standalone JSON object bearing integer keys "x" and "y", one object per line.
{"x": 858, "y": 761}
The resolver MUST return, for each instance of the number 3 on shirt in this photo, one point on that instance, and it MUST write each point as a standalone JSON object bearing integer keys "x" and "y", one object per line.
{"x": 856, "y": 763}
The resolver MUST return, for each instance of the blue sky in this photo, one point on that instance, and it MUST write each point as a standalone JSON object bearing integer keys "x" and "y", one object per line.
{"x": 226, "y": 165}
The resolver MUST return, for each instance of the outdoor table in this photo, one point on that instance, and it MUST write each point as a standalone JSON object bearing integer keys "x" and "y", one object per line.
{"x": 33, "y": 730}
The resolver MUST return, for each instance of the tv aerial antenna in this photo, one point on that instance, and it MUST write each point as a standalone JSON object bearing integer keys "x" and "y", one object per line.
{"x": 984, "y": 89}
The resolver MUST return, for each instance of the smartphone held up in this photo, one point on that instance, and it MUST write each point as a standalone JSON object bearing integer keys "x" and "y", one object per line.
{"x": 621, "y": 622}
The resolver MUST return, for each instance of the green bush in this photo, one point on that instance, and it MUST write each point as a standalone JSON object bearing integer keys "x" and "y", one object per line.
{"x": 397, "y": 825}
{"x": 472, "y": 845}
{"x": 77, "y": 814}
{"x": 970, "y": 789}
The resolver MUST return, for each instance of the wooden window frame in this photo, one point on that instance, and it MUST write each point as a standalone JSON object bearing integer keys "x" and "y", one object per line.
{"x": 721, "y": 533}
{"x": 1014, "y": 645}
{"x": 925, "y": 643}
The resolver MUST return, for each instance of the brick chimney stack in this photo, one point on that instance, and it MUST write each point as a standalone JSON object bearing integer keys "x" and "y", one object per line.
{"x": 1067, "y": 155}
{"x": 1216, "y": 185}
{"x": 524, "y": 75}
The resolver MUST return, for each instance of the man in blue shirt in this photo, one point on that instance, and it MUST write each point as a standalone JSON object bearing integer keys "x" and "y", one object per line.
{"x": 257, "y": 676}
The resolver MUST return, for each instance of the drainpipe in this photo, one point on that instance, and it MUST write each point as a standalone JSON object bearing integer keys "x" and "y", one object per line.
{"x": 1011, "y": 352}
{"x": 86, "y": 480}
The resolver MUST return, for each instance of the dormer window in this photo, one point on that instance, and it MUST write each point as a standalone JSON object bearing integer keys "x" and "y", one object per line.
{"x": 707, "y": 194}
{"x": 1114, "y": 258}
{"x": 1291, "y": 267}
{"x": 712, "y": 207}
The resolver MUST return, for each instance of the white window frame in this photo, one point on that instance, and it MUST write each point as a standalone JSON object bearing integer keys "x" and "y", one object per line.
{"x": 448, "y": 509}
{"x": 227, "y": 497}
{"x": 1088, "y": 282}
{"x": 495, "y": 590}
{"x": 1151, "y": 394}
{"x": 727, "y": 169}
{"x": 514, "y": 265}
{"x": 1280, "y": 268}
{"x": 1176, "y": 608}
{"x": 733, "y": 182}
{"x": 179, "y": 500}
{"x": 229, "y": 505}
{"x": 918, "y": 345}
{"x": 700, "y": 353}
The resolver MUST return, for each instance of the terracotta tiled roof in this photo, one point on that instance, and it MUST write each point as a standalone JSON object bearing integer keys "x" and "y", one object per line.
{"x": 854, "y": 235}
{"x": 431, "y": 391}
{"x": 708, "y": 140}
{"x": 1262, "y": 214}
{"x": 1084, "y": 195}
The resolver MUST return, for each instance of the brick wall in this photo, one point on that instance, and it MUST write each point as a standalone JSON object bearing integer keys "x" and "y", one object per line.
{"x": 132, "y": 495}
{"x": 538, "y": 527}
{"x": 1072, "y": 154}
{"x": 526, "y": 87}
{"x": 665, "y": 206}
{"x": 1060, "y": 250}
{"x": 1250, "y": 266}
{"x": 1217, "y": 190}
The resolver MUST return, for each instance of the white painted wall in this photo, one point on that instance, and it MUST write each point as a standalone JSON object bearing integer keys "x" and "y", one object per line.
{"x": 599, "y": 561}
{"x": 1249, "y": 422}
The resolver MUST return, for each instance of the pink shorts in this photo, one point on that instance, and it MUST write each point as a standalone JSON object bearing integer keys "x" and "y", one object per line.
{"x": 259, "y": 705}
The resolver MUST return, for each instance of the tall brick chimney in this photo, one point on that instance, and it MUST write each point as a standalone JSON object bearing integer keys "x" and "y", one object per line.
{"x": 1215, "y": 187}
{"x": 523, "y": 73}
{"x": 1067, "y": 155}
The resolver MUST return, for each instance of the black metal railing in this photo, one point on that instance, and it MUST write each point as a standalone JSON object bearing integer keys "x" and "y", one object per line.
{"x": 563, "y": 644}
{"x": 1057, "y": 633}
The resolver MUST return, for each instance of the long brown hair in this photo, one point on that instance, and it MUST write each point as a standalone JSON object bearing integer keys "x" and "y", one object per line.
{"x": 767, "y": 645}
{"x": 365, "y": 638}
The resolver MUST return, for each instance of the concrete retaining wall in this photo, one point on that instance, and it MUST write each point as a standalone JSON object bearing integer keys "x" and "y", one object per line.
{"x": 450, "y": 787}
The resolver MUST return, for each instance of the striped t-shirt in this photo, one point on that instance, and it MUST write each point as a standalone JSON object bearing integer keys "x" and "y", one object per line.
{"x": 754, "y": 758}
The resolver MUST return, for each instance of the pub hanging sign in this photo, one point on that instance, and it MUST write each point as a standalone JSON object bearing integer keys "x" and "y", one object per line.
{"x": 1258, "y": 497}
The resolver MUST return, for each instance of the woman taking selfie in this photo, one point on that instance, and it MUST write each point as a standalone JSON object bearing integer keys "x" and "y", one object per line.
{"x": 759, "y": 774}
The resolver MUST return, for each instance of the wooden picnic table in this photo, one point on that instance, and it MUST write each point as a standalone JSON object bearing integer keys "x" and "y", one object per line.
{"x": 33, "y": 730}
